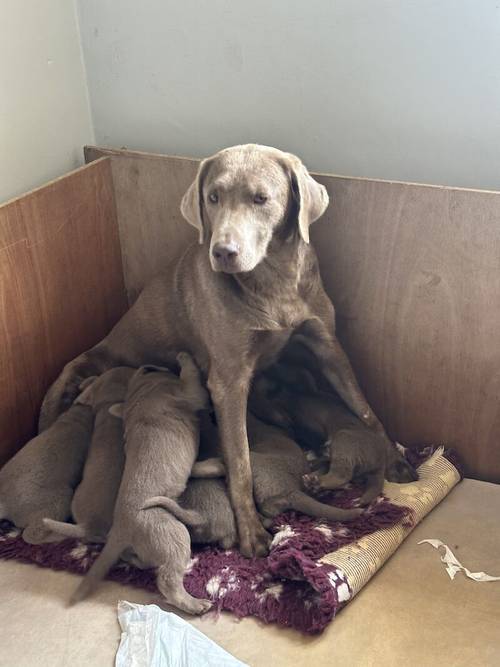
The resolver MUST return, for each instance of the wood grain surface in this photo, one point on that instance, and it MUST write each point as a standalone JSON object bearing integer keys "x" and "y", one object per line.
{"x": 61, "y": 288}
{"x": 148, "y": 191}
{"x": 413, "y": 271}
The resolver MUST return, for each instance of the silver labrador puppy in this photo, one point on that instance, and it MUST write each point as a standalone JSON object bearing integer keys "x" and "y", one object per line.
{"x": 161, "y": 445}
{"x": 39, "y": 481}
{"x": 94, "y": 500}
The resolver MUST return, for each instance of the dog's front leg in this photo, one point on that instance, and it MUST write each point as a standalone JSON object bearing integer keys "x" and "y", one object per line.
{"x": 229, "y": 393}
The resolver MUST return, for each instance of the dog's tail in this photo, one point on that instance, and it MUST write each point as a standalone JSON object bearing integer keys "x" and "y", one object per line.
{"x": 209, "y": 468}
{"x": 78, "y": 531}
{"x": 189, "y": 517}
{"x": 106, "y": 559}
{"x": 301, "y": 502}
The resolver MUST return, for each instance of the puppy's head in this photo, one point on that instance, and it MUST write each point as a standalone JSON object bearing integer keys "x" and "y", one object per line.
{"x": 240, "y": 198}
{"x": 87, "y": 389}
{"x": 109, "y": 387}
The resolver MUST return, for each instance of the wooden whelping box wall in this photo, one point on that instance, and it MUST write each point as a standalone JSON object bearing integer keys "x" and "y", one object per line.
{"x": 61, "y": 288}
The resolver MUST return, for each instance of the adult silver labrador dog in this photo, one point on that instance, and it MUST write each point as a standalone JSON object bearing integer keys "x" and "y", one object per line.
{"x": 233, "y": 301}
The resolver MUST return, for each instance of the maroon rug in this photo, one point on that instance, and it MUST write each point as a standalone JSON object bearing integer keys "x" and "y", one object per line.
{"x": 289, "y": 587}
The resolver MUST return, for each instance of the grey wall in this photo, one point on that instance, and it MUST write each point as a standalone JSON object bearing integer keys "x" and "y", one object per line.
{"x": 44, "y": 111}
{"x": 396, "y": 89}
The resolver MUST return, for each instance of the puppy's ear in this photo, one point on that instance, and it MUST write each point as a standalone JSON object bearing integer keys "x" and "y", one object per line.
{"x": 83, "y": 385}
{"x": 152, "y": 368}
{"x": 310, "y": 196}
{"x": 116, "y": 410}
{"x": 192, "y": 201}
{"x": 84, "y": 398}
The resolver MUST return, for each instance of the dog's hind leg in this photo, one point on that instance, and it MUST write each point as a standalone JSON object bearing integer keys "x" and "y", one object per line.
{"x": 170, "y": 575}
{"x": 374, "y": 485}
{"x": 77, "y": 531}
{"x": 36, "y": 533}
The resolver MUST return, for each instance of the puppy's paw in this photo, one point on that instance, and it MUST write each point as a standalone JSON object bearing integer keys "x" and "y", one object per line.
{"x": 311, "y": 482}
{"x": 199, "y": 606}
{"x": 187, "y": 603}
{"x": 184, "y": 358}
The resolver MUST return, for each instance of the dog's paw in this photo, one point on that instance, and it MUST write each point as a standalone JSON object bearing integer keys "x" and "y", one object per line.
{"x": 199, "y": 606}
{"x": 184, "y": 358}
{"x": 254, "y": 540}
{"x": 311, "y": 482}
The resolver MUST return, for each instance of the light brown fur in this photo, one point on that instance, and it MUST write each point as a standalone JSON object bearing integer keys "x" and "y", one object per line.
{"x": 161, "y": 444}
{"x": 40, "y": 479}
{"x": 234, "y": 306}
{"x": 286, "y": 395}
{"x": 278, "y": 467}
{"x": 94, "y": 500}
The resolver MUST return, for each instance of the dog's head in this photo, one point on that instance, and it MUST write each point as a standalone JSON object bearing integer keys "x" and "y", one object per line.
{"x": 242, "y": 195}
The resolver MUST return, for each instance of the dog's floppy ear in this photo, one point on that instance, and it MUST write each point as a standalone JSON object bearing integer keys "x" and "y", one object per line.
{"x": 152, "y": 368}
{"x": 311, "y": 197}
{"x": 116, "y": 410}
{"x": 85, "y": 388}
{"x": 192, "y": 201}
{"x": 88, "y": 381}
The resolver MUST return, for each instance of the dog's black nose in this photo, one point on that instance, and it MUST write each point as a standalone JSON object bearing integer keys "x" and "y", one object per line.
{"x": 225, "y": 252}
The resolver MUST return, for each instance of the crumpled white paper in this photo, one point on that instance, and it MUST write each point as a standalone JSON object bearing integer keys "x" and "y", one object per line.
{"x": 453, "y": 565}
{"x": 152, "y": 637}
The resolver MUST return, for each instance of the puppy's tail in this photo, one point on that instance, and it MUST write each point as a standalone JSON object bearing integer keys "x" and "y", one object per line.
{"x": 107, "y": 558}
{"x": 209, "y": 468}
{"x": 189, "y": 517}
{"x": 78, "y": 531}
{"x": 301, "y": 502}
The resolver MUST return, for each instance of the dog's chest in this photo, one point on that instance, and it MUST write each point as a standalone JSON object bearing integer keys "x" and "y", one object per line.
{"x": 267, "y": 345}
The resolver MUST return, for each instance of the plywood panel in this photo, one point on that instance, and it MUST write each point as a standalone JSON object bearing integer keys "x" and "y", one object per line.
{"x": 61, "y": 288}
{"x": 414, "y": 272}
{"x": 148, "y": 191}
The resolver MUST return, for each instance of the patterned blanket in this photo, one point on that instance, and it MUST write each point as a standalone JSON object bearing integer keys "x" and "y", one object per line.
{"x": 314, "y": 566}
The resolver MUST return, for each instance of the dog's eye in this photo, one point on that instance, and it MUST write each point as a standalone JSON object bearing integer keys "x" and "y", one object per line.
{"x": 259, "y": 198}
{"x": 213, "y": 198}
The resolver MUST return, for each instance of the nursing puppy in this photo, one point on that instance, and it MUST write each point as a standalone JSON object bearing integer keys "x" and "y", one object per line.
{"x": 161, "y": 445}
{"x": 40, "y": 479}
{"x": 94, "y": 500}
{"x": 286, "y": 396}
{"x": 278, "y": 466}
